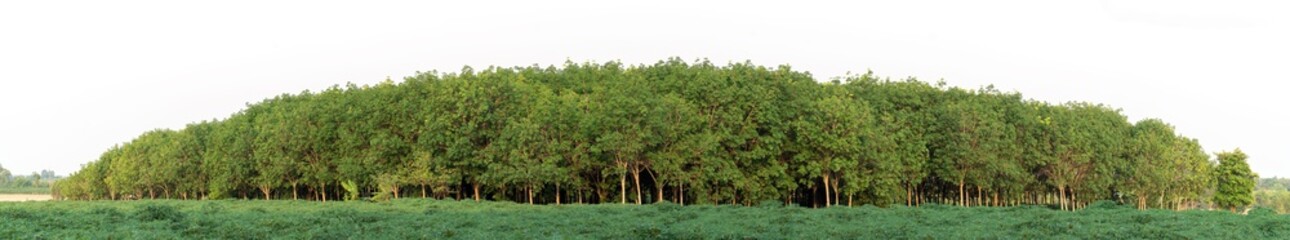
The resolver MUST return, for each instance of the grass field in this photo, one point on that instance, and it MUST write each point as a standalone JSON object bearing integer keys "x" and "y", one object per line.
{"x": 440, "y": 219}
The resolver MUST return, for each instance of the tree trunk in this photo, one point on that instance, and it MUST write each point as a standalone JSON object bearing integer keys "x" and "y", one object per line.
{"x": 734, "y": 196}
{"x": 530, "y": 191}
{"x": 557, "y": 194}
{"x": 815, "y": 203}
{"x": 921, "y": 198}
{"x": 475, "y": 185}
{"x": 600, "y": 195}
{"x": 676, "y": 194}
{"x": 622, "y": 184}
{"x": 962, "y": 194}
{"x": 1161, "y": 199}
{"x": 827, "y": 199}
{"x": 295, "y": 194}
{"x": 659, "y": 187}
{"x": 1061, "y": 196}
{"x": 324, "y": 192}
{"x": 636, "y": 180}
{"x": 909, "y": 195}
{"x": 977, "y": 200}
{"x": 837, "y": 196}
{"x": 996, "y": 199}
{"x": 266, "y": 191}
{"x": 423, "y": 191}
{"x": 789, "y": 198}
{"x": 1074, "y": 200}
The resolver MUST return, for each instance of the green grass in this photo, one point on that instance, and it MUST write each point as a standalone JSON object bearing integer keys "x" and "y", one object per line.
{"x": 437, "y": 219}
{"x": 24, "y": 190}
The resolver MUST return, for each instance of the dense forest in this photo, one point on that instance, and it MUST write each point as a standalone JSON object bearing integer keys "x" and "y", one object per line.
{"x": 675, "y": 131}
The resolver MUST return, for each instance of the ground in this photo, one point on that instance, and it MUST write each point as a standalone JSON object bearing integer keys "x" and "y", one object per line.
{"x": 24, "y": 197}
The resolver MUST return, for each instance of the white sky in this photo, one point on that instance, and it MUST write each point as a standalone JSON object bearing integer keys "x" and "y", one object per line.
{"x": 77, "y": 77}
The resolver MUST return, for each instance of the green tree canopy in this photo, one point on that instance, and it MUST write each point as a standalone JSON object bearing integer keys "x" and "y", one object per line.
{"x": 1235, "y": 181}
{"x": 678, "y": 131}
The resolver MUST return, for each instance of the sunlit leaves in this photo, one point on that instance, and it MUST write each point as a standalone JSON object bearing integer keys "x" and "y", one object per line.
{"x": 686, "y": 132}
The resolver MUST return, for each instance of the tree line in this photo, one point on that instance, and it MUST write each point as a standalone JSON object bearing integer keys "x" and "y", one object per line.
{"x": 36, "y": 180}
{"x": 684, "y": 132}
{"x": 1273, "y": 193}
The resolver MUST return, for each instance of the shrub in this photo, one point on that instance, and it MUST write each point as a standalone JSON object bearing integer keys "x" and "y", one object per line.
{"x": 158, "y": 212}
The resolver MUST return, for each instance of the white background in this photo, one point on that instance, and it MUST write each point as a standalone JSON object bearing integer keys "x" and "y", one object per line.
{"x": 77, "y": 77}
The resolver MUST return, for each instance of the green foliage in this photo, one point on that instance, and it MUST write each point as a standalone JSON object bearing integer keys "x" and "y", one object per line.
{"x": 673, "y": 131}
{"x": 1235, "y": 181}
{"x": 1273, "y": 193}
{"x": 1262, "y": 211}
{"x": 158, "y": 212}
{"x": 25, "y": 190}
{"x": 351, "y": 190}
{"x": 1275, "y": 183}
{"x": 34, "y": 183}
{"x": 446, "y": 219}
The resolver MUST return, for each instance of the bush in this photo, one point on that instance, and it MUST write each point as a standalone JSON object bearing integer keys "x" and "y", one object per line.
{"x": 770, "y": 204}
{"x": 158, "y": 212}
{"x": 1262, "y": 211}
